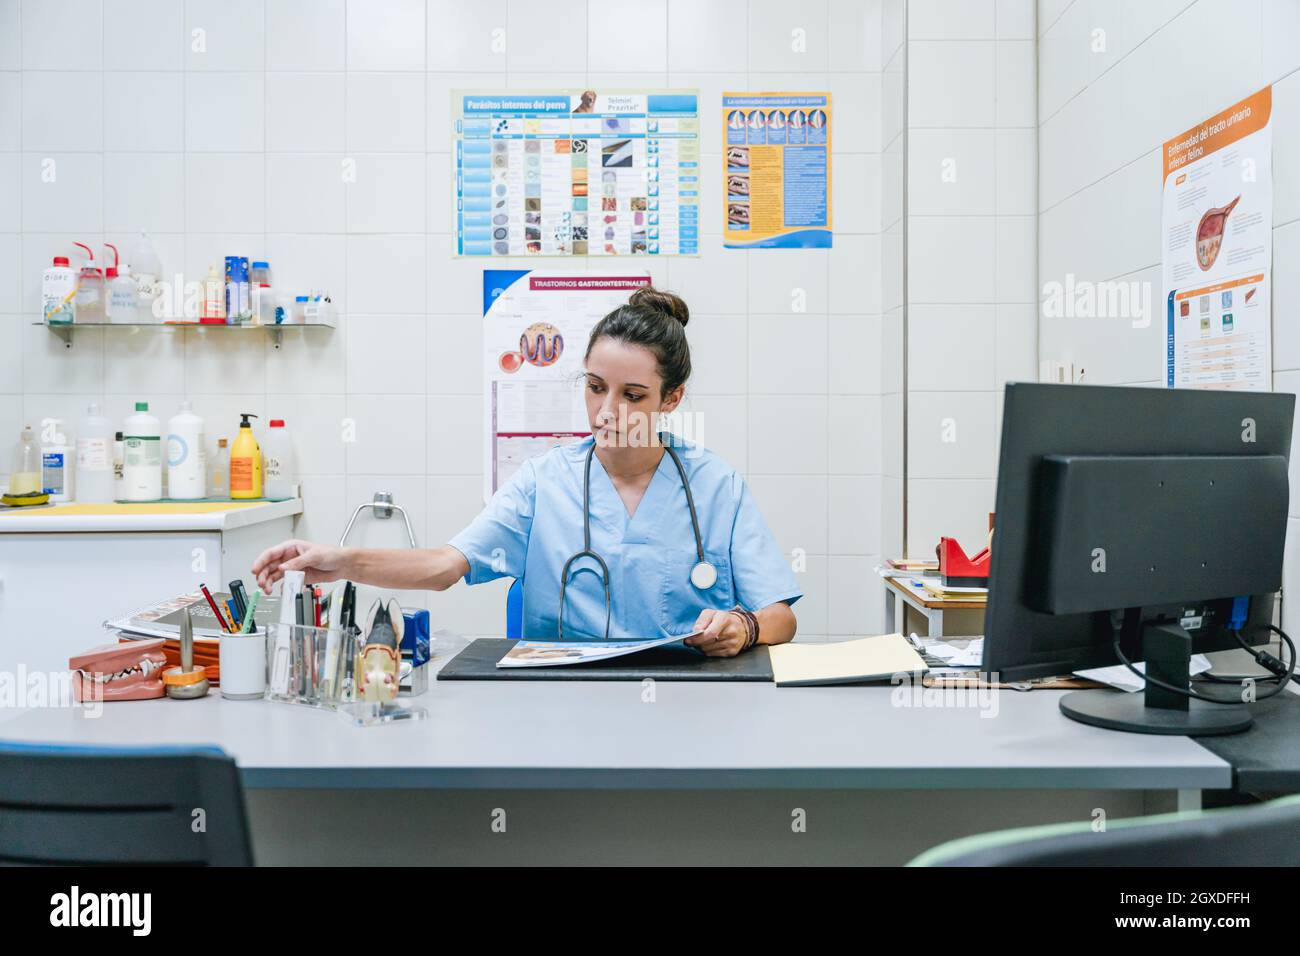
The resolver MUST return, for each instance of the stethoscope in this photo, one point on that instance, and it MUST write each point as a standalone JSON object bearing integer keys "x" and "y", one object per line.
{"x": 703, "y": 574}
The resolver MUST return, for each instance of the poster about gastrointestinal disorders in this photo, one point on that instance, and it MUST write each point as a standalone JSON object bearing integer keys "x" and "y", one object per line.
{"x": 777, "y": 170}
{"x": 535, "y": 330}
{"x": 577, "y": 173}
{"x": 1216, "y": 231}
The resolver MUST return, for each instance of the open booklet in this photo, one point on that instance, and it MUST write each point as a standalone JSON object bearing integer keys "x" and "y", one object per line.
{"x": 556, "y": 653}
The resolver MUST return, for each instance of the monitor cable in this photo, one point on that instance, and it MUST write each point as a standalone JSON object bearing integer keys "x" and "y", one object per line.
{"x": 1287, "y": 671}
{"x": 1280, "y": 671}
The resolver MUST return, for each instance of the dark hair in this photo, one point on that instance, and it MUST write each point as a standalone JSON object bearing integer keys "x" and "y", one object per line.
{"x": 655, "y": 320}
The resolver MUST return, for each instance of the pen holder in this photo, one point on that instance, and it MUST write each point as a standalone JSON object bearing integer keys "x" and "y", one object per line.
{"x": 311, "y": 665}
{"x": 242, "y": 664}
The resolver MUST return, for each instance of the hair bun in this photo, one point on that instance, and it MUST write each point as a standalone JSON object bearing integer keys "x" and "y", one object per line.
{"x": 670, "y": 305}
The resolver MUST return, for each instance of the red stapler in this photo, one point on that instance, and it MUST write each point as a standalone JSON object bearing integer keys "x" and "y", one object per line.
{"x": 959, "y": 571}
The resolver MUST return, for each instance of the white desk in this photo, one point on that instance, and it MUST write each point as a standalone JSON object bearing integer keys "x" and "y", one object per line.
{"x": 589, "y": 734}
{"x": 589, "y": 772}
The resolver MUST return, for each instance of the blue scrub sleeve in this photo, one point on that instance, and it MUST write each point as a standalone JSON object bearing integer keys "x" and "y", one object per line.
{"x": 758, "y": 566}
{"x": 496, "y": 542}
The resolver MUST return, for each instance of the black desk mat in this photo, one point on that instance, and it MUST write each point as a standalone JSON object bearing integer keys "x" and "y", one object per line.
{"x": 1265, "y": 758}
{"x": 669, "y": 663}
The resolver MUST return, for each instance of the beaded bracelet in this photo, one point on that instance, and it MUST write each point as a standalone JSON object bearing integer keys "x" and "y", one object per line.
{"x": 751, "y": 625}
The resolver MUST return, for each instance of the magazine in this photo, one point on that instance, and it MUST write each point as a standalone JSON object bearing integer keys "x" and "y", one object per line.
{"x": 556, "y": 653}
{"x": 164, "y": 618}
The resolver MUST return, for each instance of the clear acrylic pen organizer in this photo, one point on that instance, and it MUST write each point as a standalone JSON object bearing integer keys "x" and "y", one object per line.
{"x": 320, "y": 667}
{"x": 311, "y": 665}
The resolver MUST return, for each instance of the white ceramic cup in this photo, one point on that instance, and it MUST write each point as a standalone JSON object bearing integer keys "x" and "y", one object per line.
{"x": 243, "y": 665}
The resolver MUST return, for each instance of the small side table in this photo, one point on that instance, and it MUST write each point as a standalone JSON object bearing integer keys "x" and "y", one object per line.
{"x": 900, "y": 591}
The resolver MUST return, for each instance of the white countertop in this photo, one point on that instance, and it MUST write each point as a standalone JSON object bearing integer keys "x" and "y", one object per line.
{"x": 127, "y": 518}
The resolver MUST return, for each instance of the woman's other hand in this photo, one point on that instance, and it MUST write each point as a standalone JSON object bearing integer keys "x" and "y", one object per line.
{"x": 719, "y": 633}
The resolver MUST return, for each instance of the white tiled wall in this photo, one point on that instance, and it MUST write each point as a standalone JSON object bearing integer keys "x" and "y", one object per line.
{"x": 221, "y": 125}
{"x": 971, "y": 186}
{"x": 1104, "y": 110}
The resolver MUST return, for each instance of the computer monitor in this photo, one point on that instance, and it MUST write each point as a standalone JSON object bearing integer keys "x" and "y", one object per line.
{"x": 1142, "y": 514}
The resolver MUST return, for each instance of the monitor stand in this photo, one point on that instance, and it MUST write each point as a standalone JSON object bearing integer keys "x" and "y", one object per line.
{"x": 1167, "y": 650}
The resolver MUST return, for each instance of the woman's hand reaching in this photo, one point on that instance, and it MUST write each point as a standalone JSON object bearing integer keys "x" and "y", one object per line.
{"x": 321, "y": 563}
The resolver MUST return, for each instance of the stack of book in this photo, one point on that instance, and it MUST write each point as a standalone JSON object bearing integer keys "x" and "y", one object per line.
{"x": 936, "y": 589}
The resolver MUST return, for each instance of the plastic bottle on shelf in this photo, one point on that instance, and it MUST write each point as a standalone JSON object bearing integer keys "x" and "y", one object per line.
{"x": 121, "y": 290}
{"x": 245, "y": 462}
{"x": 94, "y": 472}
{"x": 238, "y": 294}
{"x": 59, "y": 292}
{"x": 56, "y": 461}
{"x": 281, "y": 472}
{"x": 90, "y": 290}
{"x": 213, "y": 308}
{"x": 146, "y": 269}
{"x": 263, "y": 305}
{"x": 187, "y": 464}
{"x": 119, "y": 466}
{"x": 142, "y": 456}
{"x": 25, "y": 478}
{"x": 219, "y": 482}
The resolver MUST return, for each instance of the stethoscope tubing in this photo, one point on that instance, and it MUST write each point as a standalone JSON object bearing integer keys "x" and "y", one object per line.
{"x": 588, "y": 552}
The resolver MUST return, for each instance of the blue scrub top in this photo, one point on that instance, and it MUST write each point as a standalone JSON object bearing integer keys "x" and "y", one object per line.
{"x": 533, "y": 525}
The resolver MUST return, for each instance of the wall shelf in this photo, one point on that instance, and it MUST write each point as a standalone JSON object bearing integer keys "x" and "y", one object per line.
{"x": 276, "y": 332}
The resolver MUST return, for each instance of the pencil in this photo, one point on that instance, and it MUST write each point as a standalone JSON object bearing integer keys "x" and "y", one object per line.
{"x": 221, "y": 618}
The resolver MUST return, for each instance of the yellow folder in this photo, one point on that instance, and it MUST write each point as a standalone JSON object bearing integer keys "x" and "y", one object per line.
{"x": 844, "y": 662}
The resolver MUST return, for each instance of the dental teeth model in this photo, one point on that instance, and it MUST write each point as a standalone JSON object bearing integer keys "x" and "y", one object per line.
{"x": 127, "y": 671}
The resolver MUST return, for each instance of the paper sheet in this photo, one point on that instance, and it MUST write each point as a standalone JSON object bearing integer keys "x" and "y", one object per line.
{"x": 1121, "y": 678}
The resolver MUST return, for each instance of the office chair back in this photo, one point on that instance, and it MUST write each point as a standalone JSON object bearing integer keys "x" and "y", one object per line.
{"x": 1267, "y": 834}
{"x": 515, "y": 610}
{"x": 179, "y": 806}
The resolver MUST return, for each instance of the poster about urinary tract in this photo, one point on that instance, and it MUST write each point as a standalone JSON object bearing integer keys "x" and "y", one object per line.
{"x": 1217, "y": 250}
{"x": 535, "y": 330}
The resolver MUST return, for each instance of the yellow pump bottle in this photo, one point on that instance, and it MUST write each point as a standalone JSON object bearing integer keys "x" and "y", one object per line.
{"x": 245, "y": 462}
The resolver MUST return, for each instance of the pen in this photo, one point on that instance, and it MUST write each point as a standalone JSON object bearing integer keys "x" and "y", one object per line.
{"x": 315, "y": 606}
{"x": 237, "y": 592}
{"x": 348, "y": 613}
{"x": 221, "y": 618}
{"x": 232, "y": 607}
{"x": 252, "y": 606}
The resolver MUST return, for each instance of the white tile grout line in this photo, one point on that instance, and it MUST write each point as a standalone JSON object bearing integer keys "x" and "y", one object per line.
{"x": 23, "y": 326}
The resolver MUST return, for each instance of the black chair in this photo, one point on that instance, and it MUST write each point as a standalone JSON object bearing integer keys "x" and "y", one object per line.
{"x": 1267, "y": 834}
{"x": 175, "y": 806}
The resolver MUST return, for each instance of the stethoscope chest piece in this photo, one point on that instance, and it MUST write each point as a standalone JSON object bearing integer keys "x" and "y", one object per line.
{"x": 704, "y": 575}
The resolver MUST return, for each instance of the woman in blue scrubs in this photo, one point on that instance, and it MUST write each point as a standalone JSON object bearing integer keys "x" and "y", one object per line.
{"x": 645, "y": 492}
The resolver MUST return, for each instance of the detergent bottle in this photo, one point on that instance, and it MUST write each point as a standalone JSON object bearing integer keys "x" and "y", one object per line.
{"x": 142, "y": 456}
{"x": 245, "y": 462}
{"x": 186, "y": 459}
